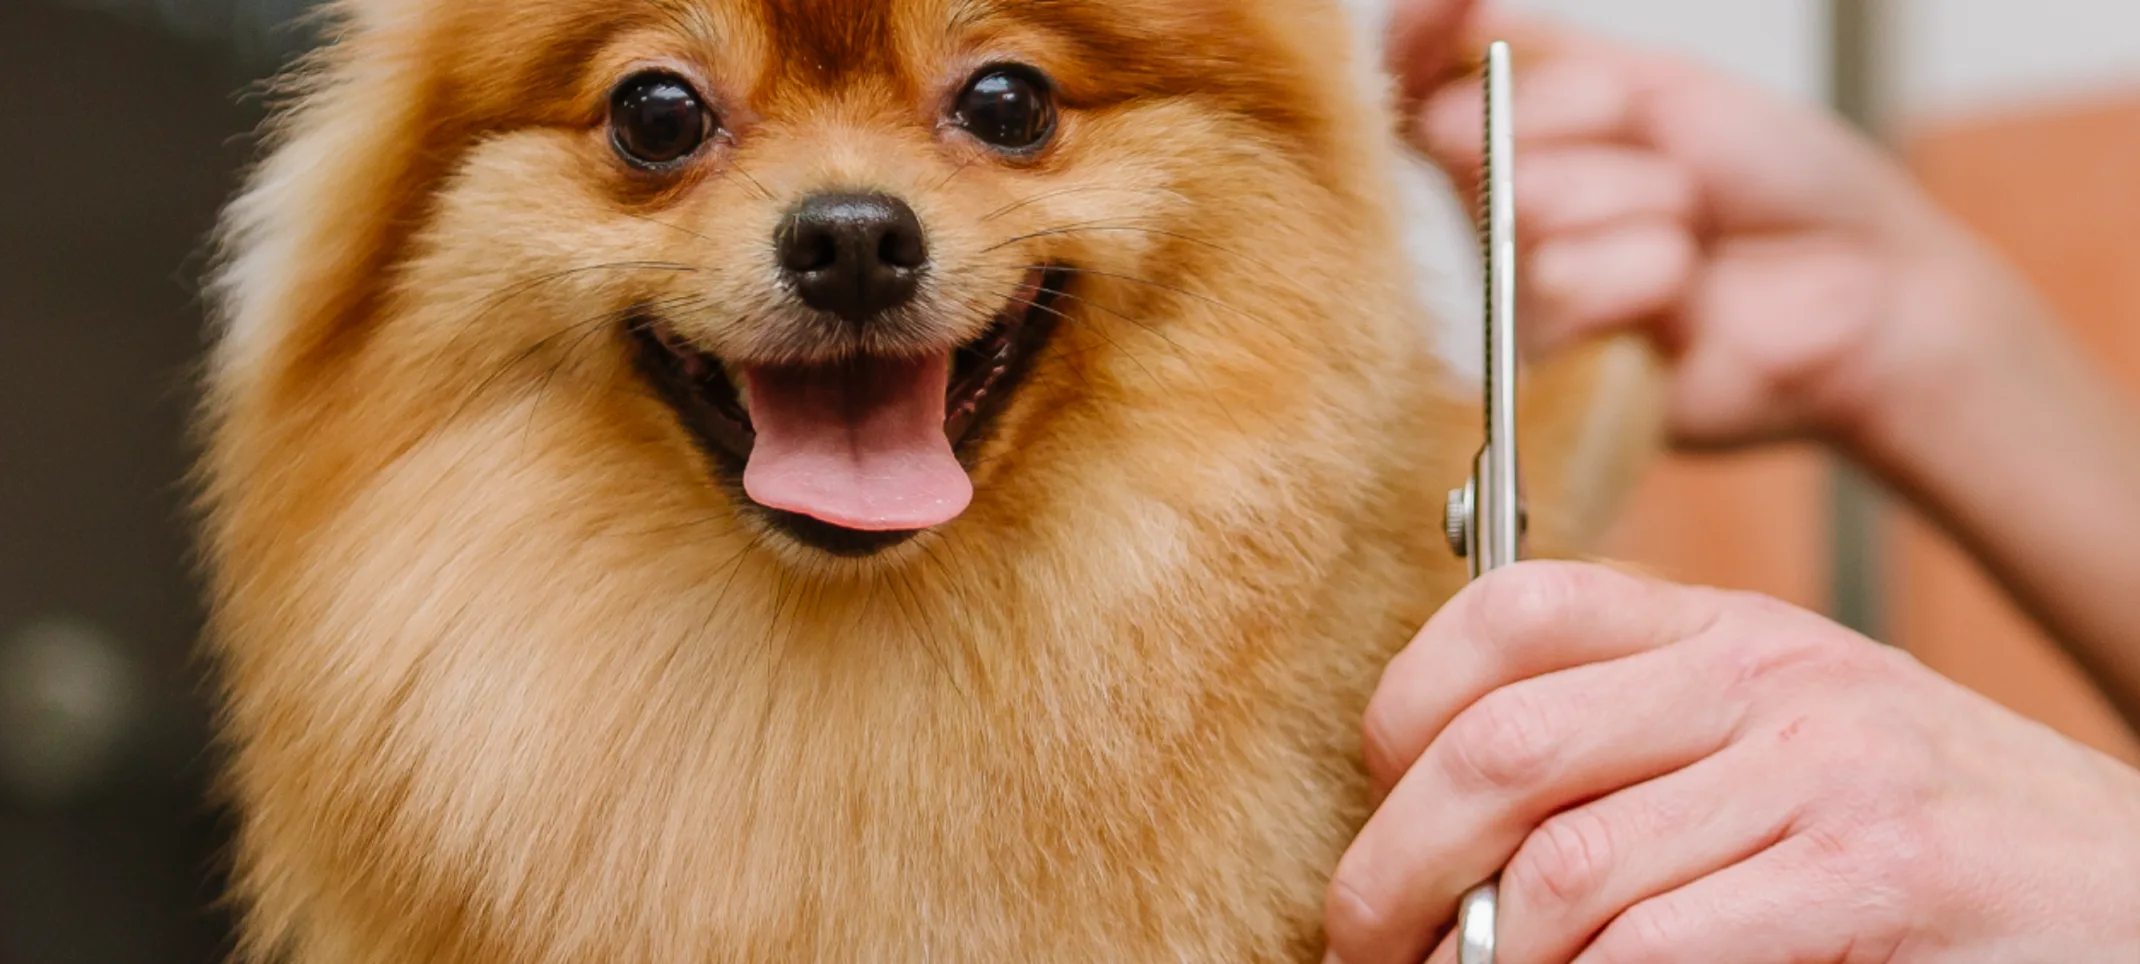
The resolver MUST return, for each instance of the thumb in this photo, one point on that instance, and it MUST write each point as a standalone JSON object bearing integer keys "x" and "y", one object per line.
{"x": 1434, "y": 42}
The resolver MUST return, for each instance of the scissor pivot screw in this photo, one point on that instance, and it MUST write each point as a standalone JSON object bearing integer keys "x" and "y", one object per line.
{"x": 1456, "y": 521}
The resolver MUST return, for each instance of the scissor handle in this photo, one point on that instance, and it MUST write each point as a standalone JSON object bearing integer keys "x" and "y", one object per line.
{"x": 1476, "y": 926}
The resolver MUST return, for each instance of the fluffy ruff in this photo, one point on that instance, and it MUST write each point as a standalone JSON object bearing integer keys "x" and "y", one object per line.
{"x": 514, "y": 672}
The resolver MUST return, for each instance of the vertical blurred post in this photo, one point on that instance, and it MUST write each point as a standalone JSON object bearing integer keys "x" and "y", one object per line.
{"x": 1857, "y": 89}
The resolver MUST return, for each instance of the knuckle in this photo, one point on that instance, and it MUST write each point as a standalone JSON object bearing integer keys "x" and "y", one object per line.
{"x": 1505, "y": 743}
{"x": 1564, "y": 862}
{"x": 1780, "y": 644}
{"x": 1652, "y": 932}
{"x": 1532, "y": 601}
{"x": 1860, "y": 784}
{"x": 1900, "y": 855}
{"x": 1881, "y": 838}
{"x": 1381, "y": 747}
{"x": 1834, "y": 846}
{"x": 1351, "y": 921}
{"x": 1853, "y": 657}
{"x": 1764, "y": 658}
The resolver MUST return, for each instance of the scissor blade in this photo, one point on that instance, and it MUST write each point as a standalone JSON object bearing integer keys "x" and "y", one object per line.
{"x": 1499, "y": 511}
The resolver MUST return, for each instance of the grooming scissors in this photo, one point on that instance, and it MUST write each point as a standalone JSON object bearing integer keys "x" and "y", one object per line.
{"x": 1486, "y": 518}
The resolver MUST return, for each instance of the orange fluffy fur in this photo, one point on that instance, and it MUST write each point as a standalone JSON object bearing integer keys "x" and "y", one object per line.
{"x": 510, "y": 678}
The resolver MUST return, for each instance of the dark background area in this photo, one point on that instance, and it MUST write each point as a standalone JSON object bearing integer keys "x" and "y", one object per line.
{"x": 121, "y": 133}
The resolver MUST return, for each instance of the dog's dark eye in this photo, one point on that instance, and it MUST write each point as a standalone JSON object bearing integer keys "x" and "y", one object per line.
{"x": 657, "y": 119}
{"x": 1010, "y": 108}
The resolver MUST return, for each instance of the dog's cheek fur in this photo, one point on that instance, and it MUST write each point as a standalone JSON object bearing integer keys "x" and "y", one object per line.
{"x": 508, "y": 680}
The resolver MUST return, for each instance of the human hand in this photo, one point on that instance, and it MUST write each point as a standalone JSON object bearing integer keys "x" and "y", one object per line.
{"x": 1674, "y": 774}
{"x": 1792, "y": 271}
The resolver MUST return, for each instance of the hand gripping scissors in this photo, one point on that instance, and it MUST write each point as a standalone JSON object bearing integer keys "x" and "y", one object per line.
{"x": 1486, "y": 518}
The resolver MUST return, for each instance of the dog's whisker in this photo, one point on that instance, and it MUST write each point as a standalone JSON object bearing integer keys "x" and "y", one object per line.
{"x": 569, "y": 357}
{"x": 734, "y": 567}
{"x": 975, "y": 666}
{"x": 728, "y": 517}
{"x": 501, "y": 298}
{"x": 955, "y": 172}
{"x": 1091, "y": 227}
{"x": 475, "y": 328}
{"x": 1080, "y": 189}
{"x": 1102, "y": 335}
{"x": 737, "y": 166}
{"x": 534, "y": 348}
{"x": 915, "y": 613}
{"x": 1288, "y": 334}
{"x": 1052, "y": 231}
{"x": 657, "y": 222}
{"x": 1154, "y": 330}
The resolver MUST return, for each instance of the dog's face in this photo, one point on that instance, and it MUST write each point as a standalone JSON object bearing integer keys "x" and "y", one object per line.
{"x": 864, "y": 267}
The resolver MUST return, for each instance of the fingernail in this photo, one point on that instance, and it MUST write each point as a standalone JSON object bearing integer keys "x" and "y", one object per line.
{"x": 1332, "y": 958}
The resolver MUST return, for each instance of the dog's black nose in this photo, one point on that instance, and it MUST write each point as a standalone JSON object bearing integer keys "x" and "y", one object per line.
{"x": 852, "y": 255}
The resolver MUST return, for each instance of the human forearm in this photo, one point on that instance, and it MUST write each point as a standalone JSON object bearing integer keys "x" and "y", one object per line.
{"x": 1995, "y": 422}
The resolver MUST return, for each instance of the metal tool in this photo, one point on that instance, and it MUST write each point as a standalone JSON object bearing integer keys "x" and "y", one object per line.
{"x": 1486, "y": 518}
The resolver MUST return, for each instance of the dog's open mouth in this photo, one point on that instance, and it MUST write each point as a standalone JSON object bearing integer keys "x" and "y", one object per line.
{"x": 860, "y": 454}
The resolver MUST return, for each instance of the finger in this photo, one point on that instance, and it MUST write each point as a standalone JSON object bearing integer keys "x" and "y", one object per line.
{"x": 1579, "y": 188}
{"x": 1783, "y": 906}
{"x": 1582, "y": 868}
{"x": 1768, "y": 321}
{"x": 1617, "y": 277}
{"x": 1518, "y": 623}
{"x": 1556, "y": 102}
{"x": 1504, "y": 765}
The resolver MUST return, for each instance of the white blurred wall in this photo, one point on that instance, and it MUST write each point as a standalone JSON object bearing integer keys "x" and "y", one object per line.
{"x": 1950, "y": 58}
{"x": 1780, "y": 43}
{"x": 1960, "y": 57}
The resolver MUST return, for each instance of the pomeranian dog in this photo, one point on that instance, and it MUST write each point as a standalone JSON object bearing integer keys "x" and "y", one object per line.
{"x": 831, "y": 480}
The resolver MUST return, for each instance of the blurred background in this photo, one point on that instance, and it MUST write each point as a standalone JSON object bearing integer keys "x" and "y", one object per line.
{"x": 119, "y": 133}
{"x": 122, "y": 123}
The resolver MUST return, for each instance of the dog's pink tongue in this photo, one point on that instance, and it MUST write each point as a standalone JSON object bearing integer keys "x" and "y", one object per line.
{"x": 858, "y": 445}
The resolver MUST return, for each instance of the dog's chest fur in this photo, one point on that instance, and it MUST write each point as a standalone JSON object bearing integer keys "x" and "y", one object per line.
{"x": 1164, "y": 768}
